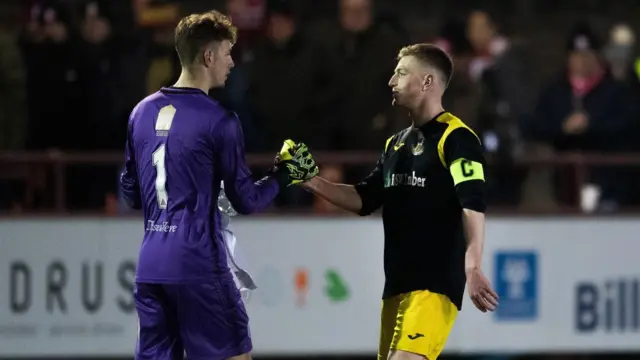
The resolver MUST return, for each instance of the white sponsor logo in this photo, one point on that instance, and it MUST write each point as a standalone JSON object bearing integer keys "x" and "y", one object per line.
{"x": 406, "y": 180}
{"x": 163, "y": 227}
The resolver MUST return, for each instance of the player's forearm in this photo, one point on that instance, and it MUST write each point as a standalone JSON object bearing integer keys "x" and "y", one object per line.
{"x": 473, "y": 223}
{"x": 341, "y": 195}
{"x": 247, "y": 196}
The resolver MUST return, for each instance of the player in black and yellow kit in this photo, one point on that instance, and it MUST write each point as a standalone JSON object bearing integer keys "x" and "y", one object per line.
{"x": 430, "y": 184}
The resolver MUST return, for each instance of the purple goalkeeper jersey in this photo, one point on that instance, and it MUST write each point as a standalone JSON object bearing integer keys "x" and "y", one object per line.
{"x": 180, "y": 145}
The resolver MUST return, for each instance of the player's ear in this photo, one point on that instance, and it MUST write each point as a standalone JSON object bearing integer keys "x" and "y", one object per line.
{"x": 427, "y": 81}
{"x": 208, "y": 57}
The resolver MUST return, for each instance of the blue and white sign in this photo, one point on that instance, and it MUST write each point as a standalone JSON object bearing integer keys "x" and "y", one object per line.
{"x": 516, "y": 279}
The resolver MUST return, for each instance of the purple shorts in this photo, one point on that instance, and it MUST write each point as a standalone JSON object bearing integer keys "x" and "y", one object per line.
{"x": 207, "y": 321}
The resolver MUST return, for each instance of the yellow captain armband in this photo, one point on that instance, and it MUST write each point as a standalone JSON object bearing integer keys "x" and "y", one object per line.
{"x": 465, "y": 170}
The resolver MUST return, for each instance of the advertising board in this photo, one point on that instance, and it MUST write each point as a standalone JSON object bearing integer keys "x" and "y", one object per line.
{"x": 564, "y": 285}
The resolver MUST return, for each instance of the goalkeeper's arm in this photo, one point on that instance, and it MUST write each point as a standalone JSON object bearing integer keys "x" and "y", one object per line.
{"x": 245, "y": 195}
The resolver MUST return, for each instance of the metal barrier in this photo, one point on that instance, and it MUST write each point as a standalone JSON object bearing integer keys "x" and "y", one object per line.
{"x": 18, "y": 165}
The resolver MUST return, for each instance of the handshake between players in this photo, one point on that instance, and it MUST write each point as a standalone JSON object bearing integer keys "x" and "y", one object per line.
{"x": 175, "y": 168}
{"x": 296, "y": 162}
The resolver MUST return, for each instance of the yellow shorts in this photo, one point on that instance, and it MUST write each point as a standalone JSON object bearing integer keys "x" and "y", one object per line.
{"x": 418, "y": 322}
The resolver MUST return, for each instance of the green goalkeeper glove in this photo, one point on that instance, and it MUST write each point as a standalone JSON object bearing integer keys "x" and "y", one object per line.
{"x": 298, "y": 161}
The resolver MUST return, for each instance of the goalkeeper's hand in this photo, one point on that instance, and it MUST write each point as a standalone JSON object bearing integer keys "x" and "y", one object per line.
{"x": 298, "y": 162}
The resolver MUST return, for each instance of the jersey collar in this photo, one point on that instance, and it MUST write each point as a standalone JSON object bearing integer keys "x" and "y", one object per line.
{"x": 433, "y": 124}
{"x": 181, "y": 90}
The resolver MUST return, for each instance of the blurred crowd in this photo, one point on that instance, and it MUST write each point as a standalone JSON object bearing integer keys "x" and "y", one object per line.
{"x": 71, "y": 71}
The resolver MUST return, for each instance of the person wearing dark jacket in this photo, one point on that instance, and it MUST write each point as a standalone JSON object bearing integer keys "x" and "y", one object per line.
{"x": 586, "y": 110}
{"x": 290, "y": 90}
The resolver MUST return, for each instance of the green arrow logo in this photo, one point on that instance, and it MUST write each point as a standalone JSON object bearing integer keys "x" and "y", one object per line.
{"x": 336, "y": 287}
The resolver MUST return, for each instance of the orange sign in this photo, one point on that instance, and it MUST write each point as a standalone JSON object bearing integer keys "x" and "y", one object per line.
{"x": 301, "y": 284}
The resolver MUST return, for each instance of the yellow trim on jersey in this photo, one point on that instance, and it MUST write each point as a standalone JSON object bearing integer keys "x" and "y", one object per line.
{"x": 418, "y": 322}
{"x": 465, "y": 170}
{"x": 386, "y": 145}
{"x": 453, "y": 123}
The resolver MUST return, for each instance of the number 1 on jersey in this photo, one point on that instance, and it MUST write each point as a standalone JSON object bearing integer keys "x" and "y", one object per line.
{"x": 163, "y": 125}
{"x": 161, "y": 177}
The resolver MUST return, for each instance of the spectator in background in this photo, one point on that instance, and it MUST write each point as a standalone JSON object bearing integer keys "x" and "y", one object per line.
{"x": 12, "y": 110}
{"x": 461, "y": 95}
{"x": 99, "y": 75}
{"x": 362, "y": 49}
{"x": 158, "y": 20}
{"x": 51, "y": 53}
{"x": 365, "y": 58}
{"x": 499, "y": 68}
{"x": 118, "y": 50}
{"x": 12, "y": 91}
{"x": 103, "y": 104}
{"x": 132, "y": 44}
{"x": 290, "y": 90}
{"x": 586, "y": 110}
{"x": 624, "y": 64}
{"x": 619, "y": 53}
{"x": 250, "y": 18}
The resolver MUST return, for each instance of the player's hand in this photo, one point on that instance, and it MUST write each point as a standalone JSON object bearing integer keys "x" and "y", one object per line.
{"x": 298, "y": 161}
{"x": 480, "y": 291}
{"x": 576, "y": 123}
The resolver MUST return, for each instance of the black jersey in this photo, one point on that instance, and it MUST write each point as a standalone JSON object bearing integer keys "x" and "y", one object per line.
{"x": 423, "y": 180}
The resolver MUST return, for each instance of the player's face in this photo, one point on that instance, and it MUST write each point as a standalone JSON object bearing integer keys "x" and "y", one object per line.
{"x": 219, "y": 63}
{"x": 408, "y": 82}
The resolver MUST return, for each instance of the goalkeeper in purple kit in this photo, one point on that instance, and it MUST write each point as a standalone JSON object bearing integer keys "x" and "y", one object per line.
{"x": 181, "y": 145}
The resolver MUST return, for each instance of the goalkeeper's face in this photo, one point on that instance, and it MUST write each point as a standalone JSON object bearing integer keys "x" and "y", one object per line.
{"x": 219, "y": 62}
{"x": 409, "y": 82}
